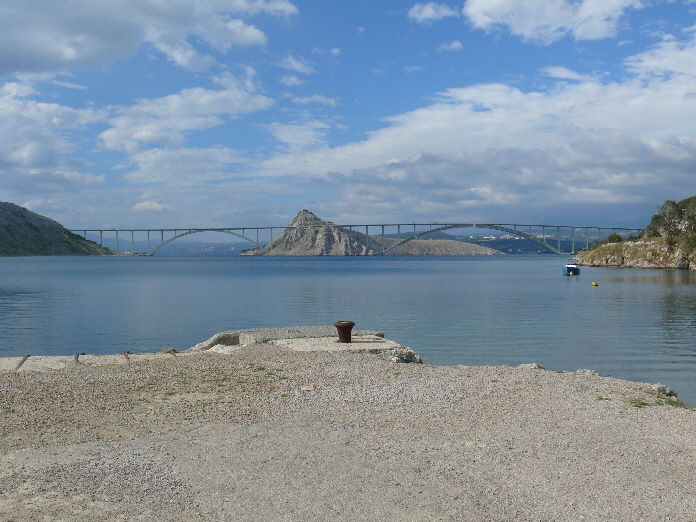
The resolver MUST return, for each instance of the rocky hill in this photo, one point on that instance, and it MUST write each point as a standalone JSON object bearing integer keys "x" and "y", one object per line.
{"x": 312, "y": 236}
{"x": 26, "y": 233}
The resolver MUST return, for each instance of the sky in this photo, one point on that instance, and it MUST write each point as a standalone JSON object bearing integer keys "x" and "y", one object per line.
{"x": 230, "y": 113}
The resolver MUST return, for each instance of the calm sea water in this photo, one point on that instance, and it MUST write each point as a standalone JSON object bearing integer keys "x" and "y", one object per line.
{"x": 475, "y": 310}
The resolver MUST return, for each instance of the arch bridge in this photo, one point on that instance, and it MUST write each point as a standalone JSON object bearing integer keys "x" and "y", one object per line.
{"x": 557, "y": 239}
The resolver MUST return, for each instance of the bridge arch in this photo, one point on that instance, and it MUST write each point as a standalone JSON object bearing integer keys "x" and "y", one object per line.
{"x": 472, "y": 225}
{"x": 177, "y": 236}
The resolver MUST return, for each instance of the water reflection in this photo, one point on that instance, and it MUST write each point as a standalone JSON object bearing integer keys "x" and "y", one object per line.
{"x": 678, "y": 321}
{"x": 21, "y": 311}
{"x": 648, "y": 276}
{"x": 20, "y": 304}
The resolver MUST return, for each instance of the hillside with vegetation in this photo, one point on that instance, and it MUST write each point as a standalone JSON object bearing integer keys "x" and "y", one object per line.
{"x": 669, "y": 241}
{"x": 26, "y": 233}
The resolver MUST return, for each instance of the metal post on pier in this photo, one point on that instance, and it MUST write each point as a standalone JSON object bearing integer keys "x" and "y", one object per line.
{"x": 117, "y": 241}
{"x": 132, "y": 242}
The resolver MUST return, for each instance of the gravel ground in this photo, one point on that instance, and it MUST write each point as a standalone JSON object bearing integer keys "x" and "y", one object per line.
{"x": 271, "y": 434}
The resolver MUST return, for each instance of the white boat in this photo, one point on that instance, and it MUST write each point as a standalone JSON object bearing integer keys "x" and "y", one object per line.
{"x": 571, "y": 269}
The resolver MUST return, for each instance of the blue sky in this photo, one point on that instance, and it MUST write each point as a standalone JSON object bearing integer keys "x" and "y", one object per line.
{"x": 186, "y": 113}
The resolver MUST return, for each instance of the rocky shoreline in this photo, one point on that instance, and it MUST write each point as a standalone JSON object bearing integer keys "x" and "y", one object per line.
{"x": 269, "y": 431}
{"x": 643, "y": 253}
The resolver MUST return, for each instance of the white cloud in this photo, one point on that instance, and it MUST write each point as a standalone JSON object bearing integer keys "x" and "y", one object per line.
{"x": 44, "y": 35}
{"x": 300, "y": 136}
{"x": 333, "y": 52}
{"x": 550, "y": 20}
{"x": 185, "y": 55}
{"x": 412, "y": 68}
{"x": 223, "y": 32}
{"x": 166, "y": 120}
{"x": 79, "y": 178}
{"x": 454, "y": 45}
{"x": 69, "y": 85}
{"x": 588, "y": 176}
{"x": 38, "y": 203}
{"x": 38, "y": 145}
{"x": 562, "y": 73}
{"x": 667, "y": 58}
{"x": 150, "y": 206}
{"x": 17, "y": 90}
{"x": 297, "y": 64}
{"x": 290, "y": 80}
{"x": 253, "y": 7}
{"x": 426, "y": 13}
{"x": 186, "y": 166}
{"x": 34, "y": 134}
{"x": 315, "y": 98}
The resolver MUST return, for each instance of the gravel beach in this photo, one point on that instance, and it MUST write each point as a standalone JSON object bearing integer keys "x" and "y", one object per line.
{"x": 268, "y": 432}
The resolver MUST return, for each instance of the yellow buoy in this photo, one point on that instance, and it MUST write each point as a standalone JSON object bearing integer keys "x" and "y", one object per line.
{"x": 594, "y": 284}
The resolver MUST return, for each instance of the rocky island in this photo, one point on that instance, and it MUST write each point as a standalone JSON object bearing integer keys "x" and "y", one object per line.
{"x": 26, "y": 233}
{"x": 308, "y": 235}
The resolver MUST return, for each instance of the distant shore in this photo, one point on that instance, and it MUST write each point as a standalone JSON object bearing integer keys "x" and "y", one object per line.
{"x": 269, "y": 432}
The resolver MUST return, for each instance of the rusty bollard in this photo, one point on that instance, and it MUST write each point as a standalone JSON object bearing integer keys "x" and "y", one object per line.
{"x": 344, "y": 328}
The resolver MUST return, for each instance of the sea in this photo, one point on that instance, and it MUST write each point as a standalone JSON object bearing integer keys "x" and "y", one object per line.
{"x": 634, "y": 324}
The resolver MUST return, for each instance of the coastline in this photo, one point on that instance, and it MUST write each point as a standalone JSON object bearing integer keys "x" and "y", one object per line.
{"x": 271, "y": 432}
{"x": 645, "y": 253}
